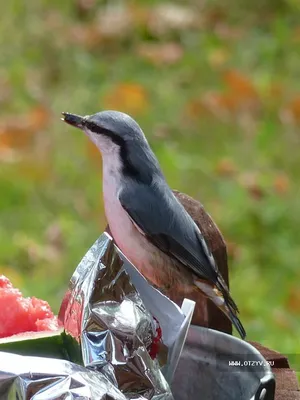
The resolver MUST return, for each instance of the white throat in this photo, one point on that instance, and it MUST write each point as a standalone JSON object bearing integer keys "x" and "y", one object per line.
{"x": 112, "y": 170}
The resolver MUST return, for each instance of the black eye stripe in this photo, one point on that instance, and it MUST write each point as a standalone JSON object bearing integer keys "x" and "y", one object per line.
{"x": 105, "y": 132}
{"x": 128, "y": 168}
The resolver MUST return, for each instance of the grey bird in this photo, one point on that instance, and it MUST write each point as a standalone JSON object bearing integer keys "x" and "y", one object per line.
{"x": 147, "y": 222}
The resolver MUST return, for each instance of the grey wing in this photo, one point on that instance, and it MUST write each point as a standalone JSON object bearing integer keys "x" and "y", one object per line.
{"x": 165, "y": 223}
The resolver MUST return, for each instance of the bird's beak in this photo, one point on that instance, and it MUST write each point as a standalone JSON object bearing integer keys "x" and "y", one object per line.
{"x": 73, "y": 119}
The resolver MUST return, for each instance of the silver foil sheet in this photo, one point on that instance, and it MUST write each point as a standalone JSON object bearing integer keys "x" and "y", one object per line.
{"x": 116, "y": 330}
{"x": 37, "y": 378}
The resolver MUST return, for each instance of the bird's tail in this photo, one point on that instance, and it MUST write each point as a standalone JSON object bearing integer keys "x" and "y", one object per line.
{"x": 220, "y": 296}
{"x": 236, "y": 322}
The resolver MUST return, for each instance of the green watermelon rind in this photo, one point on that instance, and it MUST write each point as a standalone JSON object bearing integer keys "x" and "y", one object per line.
{"x": 50, "y": 344}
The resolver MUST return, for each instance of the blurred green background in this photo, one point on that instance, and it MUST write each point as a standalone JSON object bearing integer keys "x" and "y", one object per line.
{"x": 215, "y": 87}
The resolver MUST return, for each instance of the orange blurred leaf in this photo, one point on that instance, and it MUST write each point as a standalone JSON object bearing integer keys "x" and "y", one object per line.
{"x": 240, "y": 84}
{"x": 281, "y": 184}
{"x": 158, "y": 54}
{"x": 18, "y": 133}
{"x": 293, "y": 301}
{"x": 196, "y": 108}
{"x": 15, "y": 136}
{"x": 127, "y": 97}
{"x": 226, "y": 167}
{"x": 240, "y": 99}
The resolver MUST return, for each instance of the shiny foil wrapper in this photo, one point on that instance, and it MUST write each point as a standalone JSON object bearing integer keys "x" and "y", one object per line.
{"x": 115, "y": 315}
{"x": 104, "y": 309}
{"x": 37, "y": 378}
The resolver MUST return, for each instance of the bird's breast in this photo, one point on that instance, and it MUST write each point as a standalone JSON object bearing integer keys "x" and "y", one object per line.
{"x": 127, "y": 237}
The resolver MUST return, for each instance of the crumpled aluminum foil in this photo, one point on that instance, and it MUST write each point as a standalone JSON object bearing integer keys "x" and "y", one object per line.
{"x": 37, "y": 378}
{"x": 105, "y": 311}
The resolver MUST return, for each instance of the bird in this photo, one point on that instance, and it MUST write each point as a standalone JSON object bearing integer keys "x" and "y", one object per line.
{"x": 146, "y": 220}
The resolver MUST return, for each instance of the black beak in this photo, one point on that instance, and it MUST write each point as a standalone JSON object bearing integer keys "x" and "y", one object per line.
{"x": 73, "y": 119}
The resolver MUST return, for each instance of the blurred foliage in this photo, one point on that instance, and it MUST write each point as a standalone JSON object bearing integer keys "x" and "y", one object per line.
{"x": 216, "y": 89}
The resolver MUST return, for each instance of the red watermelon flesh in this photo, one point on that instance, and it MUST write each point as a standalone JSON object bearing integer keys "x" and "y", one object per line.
{"x": 20, "y": 314}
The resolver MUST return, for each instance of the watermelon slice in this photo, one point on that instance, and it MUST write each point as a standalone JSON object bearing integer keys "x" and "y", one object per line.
{"x": 29, "y": 327}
